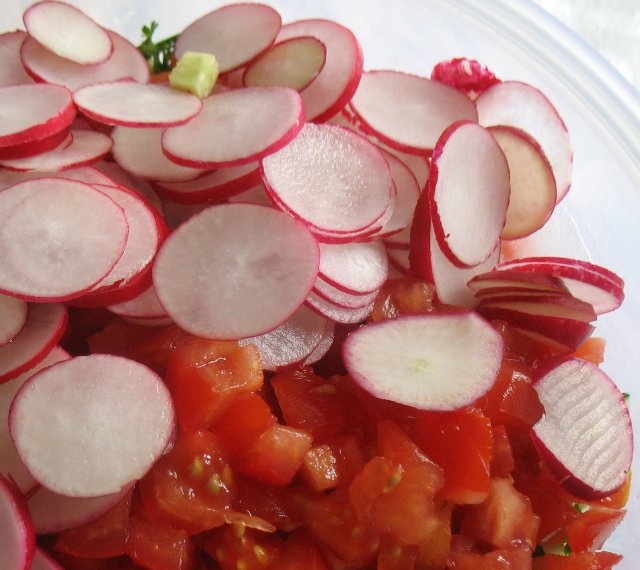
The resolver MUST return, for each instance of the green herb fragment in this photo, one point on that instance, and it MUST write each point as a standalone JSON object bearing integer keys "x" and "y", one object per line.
{"x": 579, "y": 507}
{"x": 626, "y": 396}
{"x": 539, "y": 551}
{"x": 195, "y": 72}
{"x": 566, "y": 549}
{"x": 158, "y": 54}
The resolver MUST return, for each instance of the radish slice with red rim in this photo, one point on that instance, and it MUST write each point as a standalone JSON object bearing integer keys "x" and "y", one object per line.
{"x": 145, "y": 306}
{"x": 139, "y": 151}
{"x": 341, "y": 298}
{"x": 84, "y": 148}
{"x": 12, "y": 466}
{"x": 17, "y": 539}
{"x": 258, "y": 263}
{"x": 324, "y": 345}
{"x": 509, "y": 278}
{"x": 126, "y": 62}
{"x": 34, "y": 112}
{"x": 517, "y": 104}
{"x": 235, "y": 34}
{"x": 45, "y": 326}
{"x": 68, "y": 32}
{"x": 255, "y": 195}
{"x": 423, "y": 110}
{"x": 563, "y": 306}
{"x": 292, "y": 63}
{"x": 331, "y": 178}
{"x": 12, "y": 71}
{"x": 338, "y": 80}
{"x": 42, "y": 561}
{"x": 236, "y": 127}
{"x": 468, "y": 205}
{"x": 111, "y": 403}
{"x": 133, "y": 104}
{"x": 399, "y": 260}
{"x": 176, "y": 213}
{"x": 42, "y": 257}
{"x": 584, "y": 436}
{"x": 430, "y": 362}
{"x": 14, "y": 317}
{"x": 32, "y": 148}
{"x": 336, "y": 313}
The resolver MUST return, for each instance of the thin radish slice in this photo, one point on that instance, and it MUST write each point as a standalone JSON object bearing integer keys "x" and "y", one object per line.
{"x": 126, "y": 62}
{"x": 429, "y": 362}
{"x": 324, "y": 345}
{"x": 17, "y": 538}
{"x": 144, "y": 306}
{"x": 533, "y": 186}
{"x": 427, "y": 108}
{"x": 217, "y": 185}
{"x": 42, "y": 561}
{"x": 68, "y": 32}
{"x": 12, "y": 466}
{"x": 468, "y": 205}
{"x": 176, "y": 214}
{"x": 331, "y": 178}
{"x": 341, "y": 298}
{"x": 32, "y": 148}
{"x": 354, "y": 267}
{"x": 14, "y": 317}
{"x": 12, "y": 71}
{"x": 336, "y": 313}
{"x": 516, "y": 104}
{"x": 86, "y": 147}
{"x": 135, "y": 104}
{"x": 586, "y": 281}
{"x": 563, "y": 306}
{"x": 255, "y": 195}
{"x": 338, "y": 80}
{"x": 235, "y": 34}
{"x": 399, "y": 260}
{"x": 45, "y": 326}
{"x": 292, "y": 63}
{"x": 509, "y": 278}
{"x": 52, "y": 512}
{"x": 257, "y": 262}
{"x": 237, "y": 127}
{"x": 139, "y": 151}
{"x": 86, "y": 174}
{"x": 585, "y": 435}
{"x": 292, "y": 342}
{"x": 41, "y": 255}
{"x": 34, "y": 112}
{"x": 110, "y": 403}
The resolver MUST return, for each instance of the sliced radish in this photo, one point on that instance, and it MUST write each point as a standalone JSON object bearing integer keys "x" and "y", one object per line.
{"x": 292, "y": 342}
{"x": 32, "y": 148}
{"x": 586, "y": 281}
{"x": 33, "y": 112}
{"x": 12, "y": 466}
{"x": 292, "y": 63}
{"x": 516, "y": 104}
{"x": 399, "y": 260}
{"x": 331, "y": 178}
{"x": 336, "y": 313}
{"x": 468, "y": 205}
{"x": 324, "y": 345}
{"x": 421, "y": 111}
{"x": 512, "y": 278}
{"x": 86, "y": 147}
{"x": 237, "y": 127}
{"x": 555, "y": 305}
{"x": 235, "y": 34}
{"x": 17, "y": 539}
{"x": 429, "y": 362}
{"x": 52, "y": 512}
{"x": 584, "y": 436}
{"x": 68, "y": 32}
{"x": 118, "y": 420}
{"x": 42, "y": 561}
{"x": 254, "y": 195}
{"x": 135, "y": 104}
{"x": 41, "y": 255}
{"x": 139, "y": 151}
{"x": 144, "y": 306}
{"x": 176, "y": 213}
{"x": 11, "y": 69}
{"x": 126, "y": 62}
{"x": 256, "y": 262}
{"x": 341, "y": 298}
{"x": 14, "y": 317}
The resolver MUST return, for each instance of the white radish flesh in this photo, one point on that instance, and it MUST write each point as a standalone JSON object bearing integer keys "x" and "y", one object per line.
{"x": 45, "y": 326}
{"x": 336, "y": 313}
{"x": 12, "y": 71}
{"x": 399, "y": 260}
{"x": 14, "y": 317}
{"x": 510, "y": 278}
{"x": 32, "y": 148}
{"x": 135, "y": 104}
{"x": 406, "y": 111}
{"x": 324, "y": 345}
{"x": 563, "y": 306}
{"x": 257, "y": 263}
{"x": 144, "y": 306}
{"x": 331, "y": 178}
{"x": 237, "y": 127}
{"x": 516, "y": 104}
{"x": 17, "y": 539}
{"x": 235, "y": 34}
{"x": 584, "y": 436}
{"x": 117, "y": 418}
{"x": 468, "y": 204}
{"x": 68, "y": 32}
{"x": 358, "y": 268}
{"x": 430, "y": 362}
{"x": 341, "y": 298}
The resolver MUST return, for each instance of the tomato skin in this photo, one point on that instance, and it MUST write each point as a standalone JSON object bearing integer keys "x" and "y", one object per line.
{"x": 393, "y": 555}
{"x": 515, "y": 557}
{"x": 502, "y": 460}
{"x": 592, "y": 350}
{"x": 236, "y": 546}
{"x": 578, "y": 561}
{"x": 332, "y": 464}
{"x": 300, "y": 551}
{"x": 592, "y": 528}
{"x": 269, "y": 502}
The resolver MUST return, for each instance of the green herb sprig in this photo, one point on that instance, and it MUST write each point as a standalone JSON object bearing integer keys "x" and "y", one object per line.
{"x": 158, "y": 54}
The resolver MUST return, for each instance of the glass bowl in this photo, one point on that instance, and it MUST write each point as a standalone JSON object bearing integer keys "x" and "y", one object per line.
{"x": 600, "y": 218}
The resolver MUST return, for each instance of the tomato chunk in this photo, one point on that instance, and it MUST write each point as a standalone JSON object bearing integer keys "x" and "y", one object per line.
{"x": 332, "y": 464}
{"x": 236, "y": 546}
{"x": 591, "y": 529}
{"x": 579, "y": 561}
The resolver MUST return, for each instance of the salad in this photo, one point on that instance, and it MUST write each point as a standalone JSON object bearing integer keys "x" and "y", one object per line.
{"x": 265, "y": 308}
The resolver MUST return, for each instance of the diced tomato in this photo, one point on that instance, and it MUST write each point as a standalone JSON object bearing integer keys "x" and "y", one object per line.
{"x": 191, "y": 486}
{"x": 276, "y": 455}
{"x": 205, "y": 376}
{"x": 515, "y": 557}
{"x": 394, "y": 444}
{"x": 502, "y": 461}
{"x": 592, "y": 350}
{"x": 268, "y": 502}
{"x": 618, "y": 499}
{"x": 461, "y": 444}
{"x": 393, "y": 555}
{"x": 81, "y": 325}
{"x": 578, "y": 561}
{"x": 69, "y": 562}
{"x": 332, "y": 464}
{"x": 404, "y": 296}
{"x": 300, "y": 551}
{"x": 590, "y": 529}
{"x": 106, "y": 537}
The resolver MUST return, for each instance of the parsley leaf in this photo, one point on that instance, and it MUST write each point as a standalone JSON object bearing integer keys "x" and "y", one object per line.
{"x": 158, "y": 54}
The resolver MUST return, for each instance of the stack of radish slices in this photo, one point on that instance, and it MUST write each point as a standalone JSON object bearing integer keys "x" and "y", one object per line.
{"x": 271, "y": 213}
